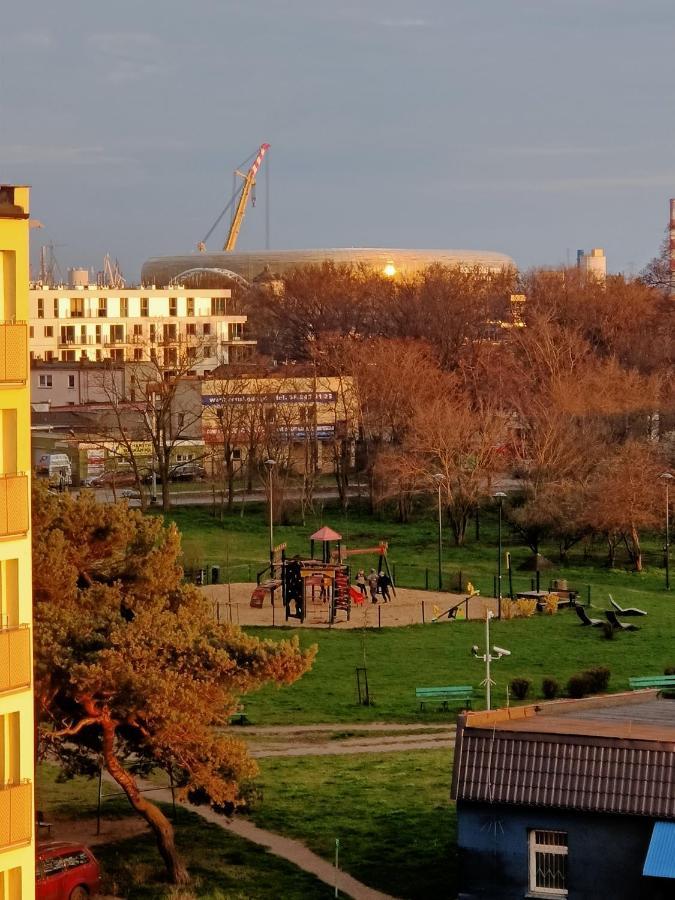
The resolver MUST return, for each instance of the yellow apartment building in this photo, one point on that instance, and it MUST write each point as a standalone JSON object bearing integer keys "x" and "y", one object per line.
{"x": 17, "y": 757}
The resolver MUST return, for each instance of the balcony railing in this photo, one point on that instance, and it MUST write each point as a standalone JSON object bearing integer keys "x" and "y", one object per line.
{"x": 81, "y": 341}
{"x": 13, "y": 505}
{"x": 16, "y": 814}
{"x": 13, "y": 352}
{"x": 15, "y": 667}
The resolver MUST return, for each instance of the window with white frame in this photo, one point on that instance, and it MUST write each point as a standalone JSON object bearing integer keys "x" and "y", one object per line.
{"x": 548, "y": 863}
{"x": 45, "y": 381}
{"x": 71, "y": 382}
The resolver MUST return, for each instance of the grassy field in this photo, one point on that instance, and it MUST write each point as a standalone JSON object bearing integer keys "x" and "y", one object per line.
{"x": 222, "y": 866}
{"x": 401, "y": 659}
{"x": 239, "y": 545}
{"x": 391, "y": 814}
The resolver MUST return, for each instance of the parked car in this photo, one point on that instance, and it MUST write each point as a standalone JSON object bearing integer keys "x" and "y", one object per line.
{"x": 188, "y": 472}
{"x": 132, "y": 495}
{"x": 107, "y": 479}
{"x": 66, "y": 872}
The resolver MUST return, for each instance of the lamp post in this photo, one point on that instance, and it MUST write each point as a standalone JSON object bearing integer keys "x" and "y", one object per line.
{"x": 499, "y": 496}
{"x": 270, "y": 464}
{"x": 439, "y": 479}
{"x": 667, "y": 477}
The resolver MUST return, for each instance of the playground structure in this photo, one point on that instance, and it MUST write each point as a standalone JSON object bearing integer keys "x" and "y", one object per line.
{"x": 307, "y": 580}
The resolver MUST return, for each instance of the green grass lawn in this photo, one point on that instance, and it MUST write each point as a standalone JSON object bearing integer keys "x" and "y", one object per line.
{"x": 239, "y": 544}
{"x": 391, "y": 814}
{"x": 222, "y": 866}
{"x": 401, "y": 659}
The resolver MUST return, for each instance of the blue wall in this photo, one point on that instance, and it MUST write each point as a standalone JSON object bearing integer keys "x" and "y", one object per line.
{"x": 605, "y": 859}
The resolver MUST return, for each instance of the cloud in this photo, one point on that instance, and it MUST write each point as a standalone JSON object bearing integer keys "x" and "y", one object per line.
{"x": 127, "y": 56}
{"x": 44, "y": 154}
{"x": 37, "y": 39}
{"x": 583, "y": 183}
{"x": 403, "y": 23}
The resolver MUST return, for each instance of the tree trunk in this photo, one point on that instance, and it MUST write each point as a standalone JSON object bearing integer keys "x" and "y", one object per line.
{"x": 160, "y": 825}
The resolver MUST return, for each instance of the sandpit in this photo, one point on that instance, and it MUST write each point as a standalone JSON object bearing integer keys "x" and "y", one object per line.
{"x": 232, "y": 603}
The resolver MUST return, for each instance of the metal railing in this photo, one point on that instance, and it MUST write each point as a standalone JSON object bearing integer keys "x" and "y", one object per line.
{"x": 15, "y": 666}
{"x": 16, "y": 814}
{"x": 13, "y": 351}
{"x": 13, "y": 505}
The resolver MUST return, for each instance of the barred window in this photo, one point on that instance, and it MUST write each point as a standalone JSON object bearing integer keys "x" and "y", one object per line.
{"x": 548, "y": 863}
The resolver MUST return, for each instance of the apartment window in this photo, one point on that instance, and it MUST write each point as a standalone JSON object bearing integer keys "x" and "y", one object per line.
{"x": 145, "y": 306}
{"x": 99, "y": 334}
{"x": 173, "y": 306}
{"x": 206, "y": 328}
{"x": 71, "y": 382}
{"x": 68, "y": 356}
{"x": 31, "y": 331}
{"x": 138, "y": 331}
{"x": 191, "y": 329}
{"x": 138, "y": 353}
{"x": 124, "y": 307}
{"x": 49, "y": 331}
{"x": 56, "y": 307}
{"x": 41, "y": 308}
{"x": 548, "y": 863}
{"x": 218, "y": 306}
{"x": 153, "y": 332}
{"x": 45, "y": 381}
{"x": 49, "y": 355}
{"x": 102, "y": 308}
{"x": 190, "y": 306}
{"x": 117, "y": 355}
{"x": 77, "y": 307}
{"x": 99, "y": 355}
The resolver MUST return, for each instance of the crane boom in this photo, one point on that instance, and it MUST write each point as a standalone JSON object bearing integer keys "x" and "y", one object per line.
{"x": 249, "y": 183}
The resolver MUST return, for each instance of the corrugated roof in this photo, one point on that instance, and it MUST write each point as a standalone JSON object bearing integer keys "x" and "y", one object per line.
{"x": 660, "y": 862}
{"x": 579, "y": 759}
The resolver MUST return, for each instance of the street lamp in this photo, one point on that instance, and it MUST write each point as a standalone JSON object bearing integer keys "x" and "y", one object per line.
{"x": 667, "y": 477}
{"x": 499, "y": 496}
{"x": 439, "y": 479}
{"x": 270, "y": 464}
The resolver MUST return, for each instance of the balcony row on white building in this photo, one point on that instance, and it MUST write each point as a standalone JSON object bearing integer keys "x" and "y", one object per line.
{"x": 134, "y": 325}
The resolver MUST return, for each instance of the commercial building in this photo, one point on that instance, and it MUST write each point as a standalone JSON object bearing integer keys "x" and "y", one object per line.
{"x": 135, "y": 324}
{"x": 17, "y": 757}
{"x": 251, "y": 265}
{"x": 573, "y": 798}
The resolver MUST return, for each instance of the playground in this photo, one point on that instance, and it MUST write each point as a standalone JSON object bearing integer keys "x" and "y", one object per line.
{"x": 232, "y": 603}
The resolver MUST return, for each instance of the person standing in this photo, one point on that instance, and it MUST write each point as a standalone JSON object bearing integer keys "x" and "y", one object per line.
{"x": 361, "y": 582}
{"x": 372, "y": 584}
{"x": 383, "y": 582}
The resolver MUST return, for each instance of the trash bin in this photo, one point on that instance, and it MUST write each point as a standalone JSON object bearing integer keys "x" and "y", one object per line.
{"x": 200, "y": 577}
{"x": 215, "y": 574}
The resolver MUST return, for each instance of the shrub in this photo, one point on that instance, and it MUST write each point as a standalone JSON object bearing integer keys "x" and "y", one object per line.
{"x": 549, "y": 688}
{"x": 518, "y": 609}
{"x": 577, "y": 686}
{"x": 520, "y": 687}
{"x": 551, "y": 604}
{"x": 598, "y": 679}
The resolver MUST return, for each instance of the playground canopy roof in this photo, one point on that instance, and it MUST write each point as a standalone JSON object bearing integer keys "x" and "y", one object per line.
{"x": 326, "y": 534}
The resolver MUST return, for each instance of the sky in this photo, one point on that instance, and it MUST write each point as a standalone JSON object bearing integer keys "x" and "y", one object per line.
{"x": 529, "y": 127}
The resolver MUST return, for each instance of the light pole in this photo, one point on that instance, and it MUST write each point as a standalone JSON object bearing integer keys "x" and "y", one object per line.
{"x": 667, "y": 477}
{"x": 499, "y": 496}
{"x": 270, "y": 464}
{"x": 439, "y": 479}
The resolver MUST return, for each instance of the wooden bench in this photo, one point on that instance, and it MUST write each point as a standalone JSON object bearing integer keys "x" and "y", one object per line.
{"x": 458, "y": 693}
{"x": 239, "y": 718}
{"x": 662, "y": 682}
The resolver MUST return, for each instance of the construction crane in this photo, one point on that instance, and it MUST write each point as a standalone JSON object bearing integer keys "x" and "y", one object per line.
{"x": 241, "y": 196}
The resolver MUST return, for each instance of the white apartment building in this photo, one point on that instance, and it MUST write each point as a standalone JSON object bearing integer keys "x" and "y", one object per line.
{"x": 69, "y": 324}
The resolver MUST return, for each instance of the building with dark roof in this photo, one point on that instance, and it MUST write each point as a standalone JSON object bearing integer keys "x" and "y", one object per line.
{"x": 574, "y": 798}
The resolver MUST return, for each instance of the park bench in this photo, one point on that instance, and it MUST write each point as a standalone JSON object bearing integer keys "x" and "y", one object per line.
{"x": 457, "y": 694}
{"x": 239, "y": 718}
{"x": 662, "y": 682}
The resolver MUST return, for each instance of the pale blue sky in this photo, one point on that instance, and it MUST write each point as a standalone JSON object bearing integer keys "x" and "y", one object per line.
{"x": 531, "y": 127}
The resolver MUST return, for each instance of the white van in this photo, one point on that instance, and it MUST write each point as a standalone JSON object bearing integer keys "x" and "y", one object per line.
{"x": 56, "y": 466}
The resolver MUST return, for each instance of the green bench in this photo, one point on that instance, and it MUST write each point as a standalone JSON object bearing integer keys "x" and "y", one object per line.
{"x": 662, "y": 682}
{"x": 456, "y": 694}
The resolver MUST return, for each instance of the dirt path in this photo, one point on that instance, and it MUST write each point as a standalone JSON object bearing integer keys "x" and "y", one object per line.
{"x": 287, "y": 848}
{"x": 342, "y": 727}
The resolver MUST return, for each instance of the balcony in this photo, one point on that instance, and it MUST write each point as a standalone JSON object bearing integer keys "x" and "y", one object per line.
{"x": 13, "y": 505}
{"x": 81, "y": 341}
{"x": 16, "y": 814}
{"x": 13, "y": 352}
{"x": 15, "y": 667}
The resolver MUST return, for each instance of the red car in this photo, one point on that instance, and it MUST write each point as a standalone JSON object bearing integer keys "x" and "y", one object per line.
{"x": 66, "y": 872}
